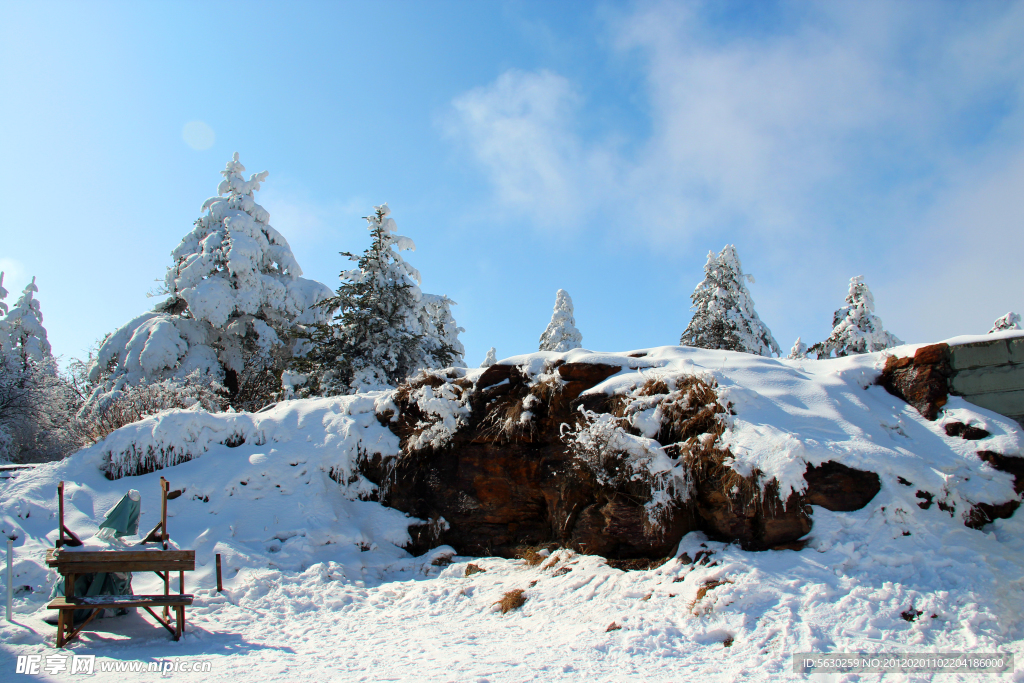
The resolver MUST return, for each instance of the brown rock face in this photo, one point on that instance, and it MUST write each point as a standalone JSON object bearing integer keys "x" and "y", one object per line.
{"x": 840, "y": 488}
{"x": 507, "y": 479}
{"x": 921, "y": 381}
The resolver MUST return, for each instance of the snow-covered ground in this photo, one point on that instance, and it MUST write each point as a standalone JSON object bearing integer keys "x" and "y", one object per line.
{"x": 318, "y": 586}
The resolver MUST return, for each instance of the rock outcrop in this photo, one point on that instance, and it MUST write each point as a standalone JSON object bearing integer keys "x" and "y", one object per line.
{"x": 498, "y": 471}
{"x": 921, "y": 380}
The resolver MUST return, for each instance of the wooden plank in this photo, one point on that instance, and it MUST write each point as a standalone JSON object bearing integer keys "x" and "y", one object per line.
{"x": 100, "y": 601}
{"x": 103, "y": 555}
{"x": 97, "y": 567}
{"x": 60, "y": 510}
{"x": 157, "y": 617}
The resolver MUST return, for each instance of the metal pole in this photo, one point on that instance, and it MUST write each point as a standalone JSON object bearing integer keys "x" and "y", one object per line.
{"x": 10, "y": 577}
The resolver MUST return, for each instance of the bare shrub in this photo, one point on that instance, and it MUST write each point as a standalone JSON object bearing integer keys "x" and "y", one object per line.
{"x": 132, "y": 403}
{"x": 258, "y": 384}
{"x": 512, "y": 600}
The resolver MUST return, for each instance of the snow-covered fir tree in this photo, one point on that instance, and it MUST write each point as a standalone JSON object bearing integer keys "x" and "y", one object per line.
{"x": 798, "y": 351}
{"x": 384, "y": 327}
{"x": 855, "y": 327}
{"x": 23, "y": 327}
{"x": 440, "y": 333}
{"x": 724, "y": 315}
{"x": 561, "y": 333}
{"x": 37, "y": 404}
{"x": 235, "y": 302}
{"x": 491, "y": 358}
{"x": 1010, "y": 321}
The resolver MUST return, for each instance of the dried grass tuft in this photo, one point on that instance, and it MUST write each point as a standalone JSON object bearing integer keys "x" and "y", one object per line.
{"x": 512, "y": 600}
{"x": 530, "y": 556}
{"x": 703, "y": 590}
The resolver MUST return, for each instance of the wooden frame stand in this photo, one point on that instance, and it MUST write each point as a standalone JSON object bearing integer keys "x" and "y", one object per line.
{"x": 161, "y": 561}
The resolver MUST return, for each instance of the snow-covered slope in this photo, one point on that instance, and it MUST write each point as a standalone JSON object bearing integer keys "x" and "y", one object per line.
{"x": 318, "y": 585}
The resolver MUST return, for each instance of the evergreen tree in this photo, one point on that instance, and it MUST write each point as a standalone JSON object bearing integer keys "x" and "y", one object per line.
{"x": 724, "y": 315}
{"x": 37, "y": 404}
{"x": 855, "y": 327}
{"x": 1010, "y": 321}
{"x": 5, "y": 335}
{"x": 441, "y": 347}
{"x": 561, "y": 333}
{"x": 798, "y": 351}
{"x": 385, "y": 328}
{"x": 24, "y": 327}
{"x": 235, "y": 299}
{"x": 491, "y": 359}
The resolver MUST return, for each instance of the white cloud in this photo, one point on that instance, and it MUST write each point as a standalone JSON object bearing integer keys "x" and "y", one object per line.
{"x": 841, "y": 106}
{"x": 519, "y": 128}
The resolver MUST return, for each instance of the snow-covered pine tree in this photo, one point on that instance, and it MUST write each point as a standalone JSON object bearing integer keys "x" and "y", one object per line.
{"x": 855, "y": 327}
{"x": 37, "y": 405}
{"x": 441, "y": 346}
{"x": 235, "y": 301}
{"x": 24, "y": 328}
{"x": 491, "y": 358}
{"x": 798, "y": 351}
{"x": 385, "y": 328}
{"x": 561, "y": 333}
{"x": 1010, "y": 321}
{"x": 724, "y": 315}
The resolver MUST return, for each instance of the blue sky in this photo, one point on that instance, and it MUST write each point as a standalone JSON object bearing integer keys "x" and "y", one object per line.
{"x": 602, "y": 148}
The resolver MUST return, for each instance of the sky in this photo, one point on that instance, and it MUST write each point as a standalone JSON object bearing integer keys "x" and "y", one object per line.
{"x": 602, "y": 148}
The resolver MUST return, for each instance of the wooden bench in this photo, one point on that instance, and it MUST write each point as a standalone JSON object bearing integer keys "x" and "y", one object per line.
{"x": 69, "y": 562}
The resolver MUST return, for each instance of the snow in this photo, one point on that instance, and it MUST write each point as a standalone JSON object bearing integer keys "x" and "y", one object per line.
{"x": 317, "y": 585}
{"x": 1010, "y": 321}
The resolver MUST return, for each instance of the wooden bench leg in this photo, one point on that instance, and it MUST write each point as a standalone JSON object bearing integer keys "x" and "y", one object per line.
{"x": 178, "y": 628}
{"x": 60, "y": 628}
